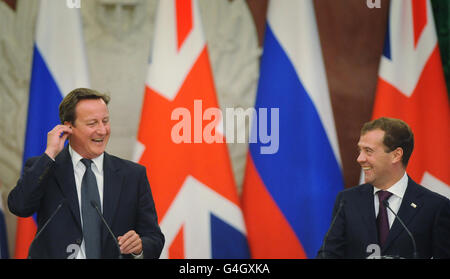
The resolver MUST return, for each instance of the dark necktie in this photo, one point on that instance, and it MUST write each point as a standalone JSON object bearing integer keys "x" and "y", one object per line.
{"x": 91, "y": 220}
{"x": 382, "y": 218}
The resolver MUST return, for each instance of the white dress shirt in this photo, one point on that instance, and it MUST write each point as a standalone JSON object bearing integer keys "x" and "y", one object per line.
{"x": 395, "y": 200}
{"x": 79, "y": 168}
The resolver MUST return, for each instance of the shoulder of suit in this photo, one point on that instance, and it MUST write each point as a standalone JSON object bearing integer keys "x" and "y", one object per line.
{"x": 32, "y": 159}
{"x": 427, "y": 192}
{"x": 124, "y": 163}
{"x": 358, "y": 188}
{"x": 43, "y": 158}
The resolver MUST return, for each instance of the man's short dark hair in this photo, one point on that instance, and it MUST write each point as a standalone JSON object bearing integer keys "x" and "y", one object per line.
{"x": 397, "y": 134}
{"x": 68, "y": 104}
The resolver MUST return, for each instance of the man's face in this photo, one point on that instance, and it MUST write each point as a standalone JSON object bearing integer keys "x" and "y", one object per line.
{"x": 90, "y": 133}
{"x": 374, "y": 160}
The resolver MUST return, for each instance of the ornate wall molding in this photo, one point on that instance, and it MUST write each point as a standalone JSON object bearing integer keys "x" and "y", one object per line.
{"x": 16, "y": 47}
{"x": 16, "y": 43}
{"x": 234, "y": 54}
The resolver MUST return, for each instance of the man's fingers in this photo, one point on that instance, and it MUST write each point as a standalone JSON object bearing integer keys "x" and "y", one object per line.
{"x": 125, "y": 237}
{"x": 56, "y": 138}
{"x": 130, "y": 243}
{"x": 60, "y": 131}
{"x": 64, "y": 136}
{"x": 63, "y": 129}
{"x": 133, "y": 247}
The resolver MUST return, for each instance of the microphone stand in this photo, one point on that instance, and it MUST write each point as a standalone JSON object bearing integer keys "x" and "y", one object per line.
{"x": 94, "y": 204}
{"x": 43, "y": 227}
{"x": 415, "y": 254}
{"x": 341, "y": 204}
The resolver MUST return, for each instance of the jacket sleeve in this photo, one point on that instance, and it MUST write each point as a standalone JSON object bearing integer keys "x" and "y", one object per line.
{"x": 441, "y": 232}
{"x": 148, "y": 228}
{"x": 25, "y": 198}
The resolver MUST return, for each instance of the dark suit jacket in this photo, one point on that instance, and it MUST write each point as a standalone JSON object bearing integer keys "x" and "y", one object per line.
{"x": 355, "y": 227}
{"x": 127, "y": 205}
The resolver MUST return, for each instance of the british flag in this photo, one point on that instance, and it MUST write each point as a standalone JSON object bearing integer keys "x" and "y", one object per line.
{"x": 192, "y": 182}
{"x": 411, "y": 87}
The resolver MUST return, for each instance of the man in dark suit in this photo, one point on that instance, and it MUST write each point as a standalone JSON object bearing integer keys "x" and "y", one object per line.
{"x": 82, "y": 176}
{"x": 363, "y": 226}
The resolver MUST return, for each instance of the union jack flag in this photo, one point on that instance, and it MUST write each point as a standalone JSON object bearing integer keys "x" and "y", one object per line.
{"x": 411, "y": 86}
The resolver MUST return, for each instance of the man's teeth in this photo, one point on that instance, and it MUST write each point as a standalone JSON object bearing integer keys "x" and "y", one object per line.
{"x": 366, "y": 168}
{"x": 97, "y": 140}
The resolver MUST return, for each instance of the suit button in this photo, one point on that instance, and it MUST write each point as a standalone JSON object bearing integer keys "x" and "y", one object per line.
{"x": 78, "y": 241}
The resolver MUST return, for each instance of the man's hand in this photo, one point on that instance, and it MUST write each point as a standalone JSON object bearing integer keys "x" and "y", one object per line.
{"x": 56, "y": 139}
{"x": 130, "y": 243}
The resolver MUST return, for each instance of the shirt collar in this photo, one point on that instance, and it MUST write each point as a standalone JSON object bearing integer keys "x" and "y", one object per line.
{"x": 98, "y": 162}
{"x": 398, "y": 189}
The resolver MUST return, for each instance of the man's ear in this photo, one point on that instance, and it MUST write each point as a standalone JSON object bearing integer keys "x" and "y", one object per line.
{"x": 397, "y": 155}
{"x": 68, "y": 124}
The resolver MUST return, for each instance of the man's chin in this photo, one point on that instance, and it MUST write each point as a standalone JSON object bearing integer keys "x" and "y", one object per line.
{"x": 368, "y": 179}
{"x": 96, "y": 152}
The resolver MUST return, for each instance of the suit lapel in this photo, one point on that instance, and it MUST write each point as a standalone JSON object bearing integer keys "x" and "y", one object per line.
{"x": 406, "y": 212}
{"x": 66, "y": 181}
{"x": 112, "y": 187}
{"x": 367, "y": 207}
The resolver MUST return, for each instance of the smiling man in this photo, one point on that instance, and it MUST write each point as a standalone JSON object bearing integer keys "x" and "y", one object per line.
{"x": 84, "y": 178}
{"x": 363, "y": 223}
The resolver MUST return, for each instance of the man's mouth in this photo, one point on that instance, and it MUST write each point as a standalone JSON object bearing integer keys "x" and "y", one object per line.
{"x": 97, "y": 140}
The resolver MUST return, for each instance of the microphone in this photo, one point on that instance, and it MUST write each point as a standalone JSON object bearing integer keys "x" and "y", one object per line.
{"x": 94, "y": 205}
{"x": 341, "y": 204}
{"x": 415, "y": 254}
{"x": 44, "y": 226}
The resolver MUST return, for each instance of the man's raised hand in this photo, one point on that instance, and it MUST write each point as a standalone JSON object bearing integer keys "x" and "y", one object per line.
{"x": 56, "y": 139}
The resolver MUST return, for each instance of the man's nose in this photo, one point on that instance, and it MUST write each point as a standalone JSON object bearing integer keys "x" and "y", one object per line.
{"x": 102, "y": 129}
{"x": 361, "y": 157}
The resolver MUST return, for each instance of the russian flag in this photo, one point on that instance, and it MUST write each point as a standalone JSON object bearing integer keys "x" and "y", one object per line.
{"x": 189, "y": 172}
{"x": 59, "y": 66}
{"x": 288, "y": 196}
{"x": 411, "y": 87}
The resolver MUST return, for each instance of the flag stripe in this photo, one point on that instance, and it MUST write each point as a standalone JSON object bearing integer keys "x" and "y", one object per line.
{"x": 184, "y": 20}
{"x": 26, "y": 229}
{"x": 226, "y": 241}
{"x": 419, "y": 8}
{"x": 39, "y": 123}
{"x": 262, "y": 215}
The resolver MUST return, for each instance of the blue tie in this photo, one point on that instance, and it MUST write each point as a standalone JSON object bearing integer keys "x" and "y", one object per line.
{"x": 91, "y": 220}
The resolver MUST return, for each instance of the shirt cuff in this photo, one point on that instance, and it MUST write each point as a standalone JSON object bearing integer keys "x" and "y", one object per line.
{"x": 138, "y": 256}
